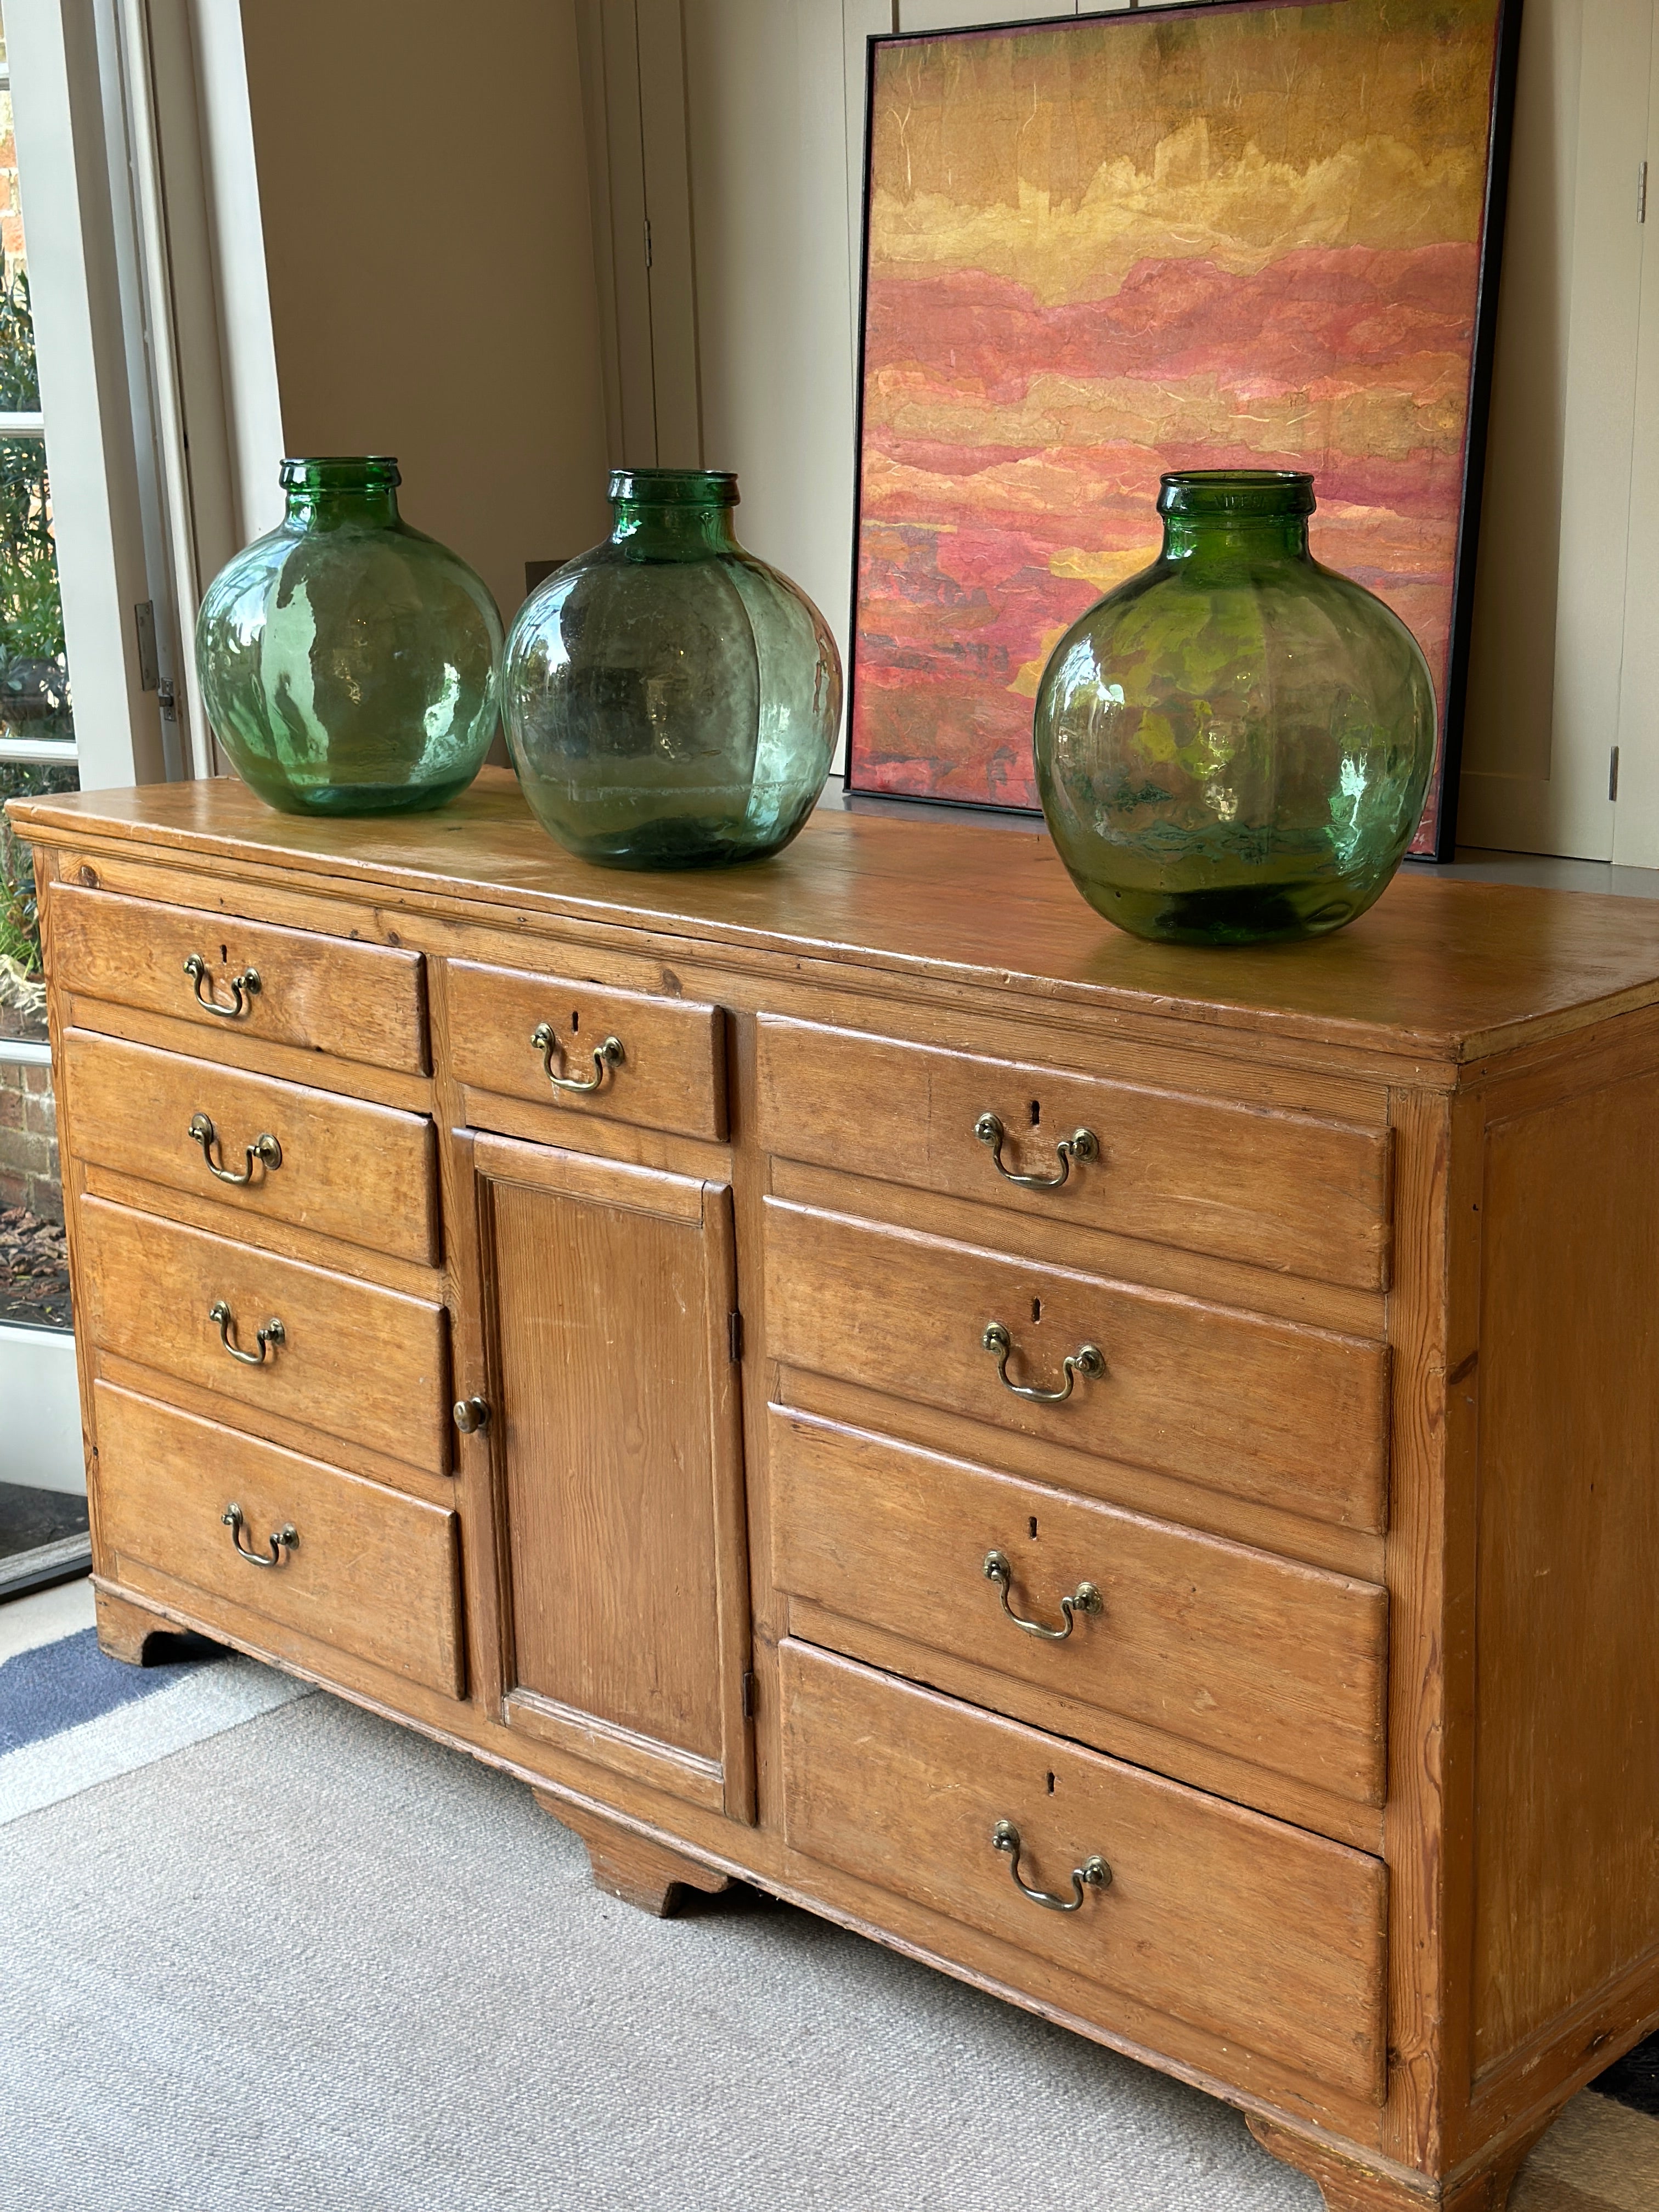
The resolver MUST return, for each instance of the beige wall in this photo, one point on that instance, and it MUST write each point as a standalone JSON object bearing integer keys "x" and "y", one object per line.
{"x": 423, "y": 187}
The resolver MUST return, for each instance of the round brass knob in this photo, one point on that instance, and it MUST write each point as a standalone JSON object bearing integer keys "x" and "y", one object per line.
{"x": 471, "y": 1414}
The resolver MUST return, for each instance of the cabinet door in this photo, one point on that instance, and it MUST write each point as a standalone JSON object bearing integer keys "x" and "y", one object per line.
{"x": 608, "y": 1293}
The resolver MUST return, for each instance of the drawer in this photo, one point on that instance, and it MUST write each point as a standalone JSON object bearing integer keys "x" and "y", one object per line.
{"x": 333, "y": 994}
{"x": 1257, "y": 1933}
{"x": 1295, "y": 1417}
{"x": 525, "y": 1037}
{"x": 365, "y": 1174}
{"x": 1279, "y": 1665}
{"x": 373, "y": 1573}
{"x": 364, "y": 1364}
{"x": 1285, "y": 1191}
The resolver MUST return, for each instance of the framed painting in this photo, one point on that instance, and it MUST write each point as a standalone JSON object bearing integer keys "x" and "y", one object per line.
{"x": 1238, "y": 234}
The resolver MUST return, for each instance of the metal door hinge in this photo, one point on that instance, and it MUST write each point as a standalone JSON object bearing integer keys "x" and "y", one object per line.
{"x": 1612, "y": 774}
{"x": 735, "y": 1334}
{"x": 648, "y": 241}
{"x": 1641, "y": 193}
{"x": 748, "y": 1696}
{"x": 149, "y": 666}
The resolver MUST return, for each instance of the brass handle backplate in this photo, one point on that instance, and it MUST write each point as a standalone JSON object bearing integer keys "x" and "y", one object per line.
{"x": 264, "y": 1152}
{"x": 1085, "y": 1598}
{"x": 1081, "y": 1144}
{"x": 267, "y": 1338}
{"x": 1087, "y": 1359}
{"x": 545, "y": 1038}
{"x": 1093, "y": 1874}
{"x": 281, "y": 1541}
{"x": 242, "y": 988}
{"x": 470, "y": 1415}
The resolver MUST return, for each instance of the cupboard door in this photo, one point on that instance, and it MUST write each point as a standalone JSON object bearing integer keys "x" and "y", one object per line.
{"x": 608, "y": 1298}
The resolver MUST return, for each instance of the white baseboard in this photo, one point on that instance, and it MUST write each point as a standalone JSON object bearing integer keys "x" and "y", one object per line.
{"x": 40, "y": 1410}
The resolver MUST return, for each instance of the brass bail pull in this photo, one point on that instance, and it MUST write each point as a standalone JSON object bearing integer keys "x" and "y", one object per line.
{"x": 1081, "y": 1144}
{"x": 267, "y": 1338}
{"x": 242, "y": 989}
{"x": 283, "y": 1541}
{"x": 1085, "y": 1598}
{"x": 264, "y": 1152}
{"x": 545, "y": 1039}
{"x": 1088, "y": 1359}
{"x": 1093, "y": 1874}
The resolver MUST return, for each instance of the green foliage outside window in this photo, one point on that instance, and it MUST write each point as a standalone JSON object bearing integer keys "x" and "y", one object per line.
{"x": 34, "y": 695}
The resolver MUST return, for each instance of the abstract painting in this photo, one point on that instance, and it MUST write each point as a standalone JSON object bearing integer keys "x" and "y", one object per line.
{"x": 1223, "y": 235}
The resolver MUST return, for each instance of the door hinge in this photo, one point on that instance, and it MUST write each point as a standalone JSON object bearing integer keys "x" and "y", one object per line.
{"x": 149, "y": 666}
{"x": 1641, "y": 193}
{"x": 735, "y": 1334}
{"x": 648, "y": 241}
{"x": 1612, "y": 774}
{"x": 749, "y": 1695}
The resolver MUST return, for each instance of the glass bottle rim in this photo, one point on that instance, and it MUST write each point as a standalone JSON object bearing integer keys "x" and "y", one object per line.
{"x": 1236, "y": 491}
{"x": 673, "y": 487}
{"x": 340, "y": 472}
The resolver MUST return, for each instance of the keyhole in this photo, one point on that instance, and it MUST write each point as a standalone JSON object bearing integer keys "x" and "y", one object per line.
{"x": 1037, "y": 1115}
{"x": 1036, "y": 1310}
{"x": 224, "y": 954}
{"x": 575, "y": 1021}
{"x": 1032, "y": 1525}
{"x": 1051, "y": 1785}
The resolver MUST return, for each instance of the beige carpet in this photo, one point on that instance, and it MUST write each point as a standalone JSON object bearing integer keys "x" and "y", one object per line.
{"x": 316, "y": 1964}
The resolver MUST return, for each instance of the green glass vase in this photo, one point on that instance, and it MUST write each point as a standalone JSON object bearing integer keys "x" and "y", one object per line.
{"x": 1235, "y": 746}
{"x": 669, "y": 701}
{"x": 349, "y": 664}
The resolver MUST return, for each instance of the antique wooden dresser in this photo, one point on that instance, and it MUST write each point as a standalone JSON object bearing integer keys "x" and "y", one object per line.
{"x": 1124, "y": 1471}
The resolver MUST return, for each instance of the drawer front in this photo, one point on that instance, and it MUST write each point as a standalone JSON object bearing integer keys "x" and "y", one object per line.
{"x": 366, "y": 1364}
{"x": 1212, "y": 1642}
{"x": 333, "y": 994}
{"x": 1295, "y": 1417}
{"x": 1253, "y": 1931}
{"x": 365, "y": 1174}
{"x": 537, "y": 1036}
{"x": 373, "y": 1572}
{"x": 1284, "y": 1191}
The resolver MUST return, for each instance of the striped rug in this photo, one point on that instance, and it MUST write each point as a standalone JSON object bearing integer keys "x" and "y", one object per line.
{"x": 72, "y": 1721}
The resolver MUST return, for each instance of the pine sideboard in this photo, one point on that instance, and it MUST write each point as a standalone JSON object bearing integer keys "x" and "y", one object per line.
{"x": 1124, "y": 1471}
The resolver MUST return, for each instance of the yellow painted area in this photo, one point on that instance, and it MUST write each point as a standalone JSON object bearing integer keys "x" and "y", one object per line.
{"x": 1030, "y": 674}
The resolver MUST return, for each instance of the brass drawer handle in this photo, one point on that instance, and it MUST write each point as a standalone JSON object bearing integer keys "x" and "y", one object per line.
{"x": 1085, "y": 1598}
{"x": 265, "y": 1150}
{"x": 1093, "y": 1874}
{"x": 1081, "y": 1144}
{"x": 281, "y": 1543}
{"x": 607, "y": 1055}
{"x": 242, "y": 988}
{"x": 267, "y": 1338}
{"x": 1087, "y": 1359}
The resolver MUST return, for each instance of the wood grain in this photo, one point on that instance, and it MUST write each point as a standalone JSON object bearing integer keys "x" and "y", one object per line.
{"x": 325, "y": 995}
{"x": 363, "y": 1174}
{"x": 355, "y": 1360}
{"x": 631, "y": 1866}
{"x": 1567, "y": 1759}
{"x": 374, "y": 1572}
{"x": 672, "y": 1074}
{"x": 608, "y": 1293}
{"x": 1276, "y": 1664}
{"x": 1283, "y": 1191}
{"x": 1215, "y": 1915}
{"x": 1293, "y": 1417}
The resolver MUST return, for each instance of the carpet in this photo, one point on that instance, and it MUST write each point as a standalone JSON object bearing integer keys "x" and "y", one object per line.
{"x": 315, "y": 1962}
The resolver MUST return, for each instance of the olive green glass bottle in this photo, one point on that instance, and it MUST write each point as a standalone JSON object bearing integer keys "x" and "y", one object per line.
{"x": 349, "y": 663}
{"x": 1235, "y": 746}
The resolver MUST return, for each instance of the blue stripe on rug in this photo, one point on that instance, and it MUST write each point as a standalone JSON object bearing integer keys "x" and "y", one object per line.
{"x": 58, "y": 1685}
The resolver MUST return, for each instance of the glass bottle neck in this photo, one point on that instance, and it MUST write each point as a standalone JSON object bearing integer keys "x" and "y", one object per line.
{"x": 334, "y": 507}
{"x": 1222, "y": 539}
{"x": 660, "y": 531}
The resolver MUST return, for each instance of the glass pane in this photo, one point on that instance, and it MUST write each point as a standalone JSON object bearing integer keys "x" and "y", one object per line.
{"x": 35, "y": 707}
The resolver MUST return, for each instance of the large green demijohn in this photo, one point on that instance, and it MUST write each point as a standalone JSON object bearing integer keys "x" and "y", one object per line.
{"x": 349, "y": 664}
{"x": 1235, "y": 746}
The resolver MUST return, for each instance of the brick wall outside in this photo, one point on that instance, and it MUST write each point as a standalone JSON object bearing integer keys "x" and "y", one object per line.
{"x": 29, "y": 1141}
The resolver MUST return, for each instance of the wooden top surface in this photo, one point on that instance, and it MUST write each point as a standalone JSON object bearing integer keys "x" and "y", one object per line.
{"x": 1438, "y": 969}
